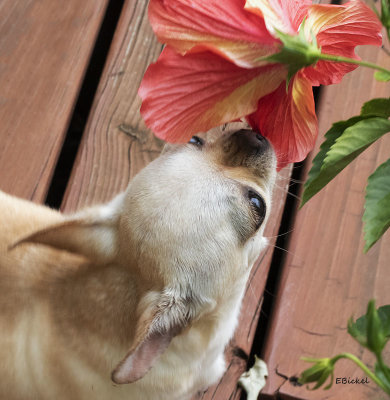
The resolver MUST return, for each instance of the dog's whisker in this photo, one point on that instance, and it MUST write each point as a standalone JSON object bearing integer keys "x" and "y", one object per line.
{"x": 285, "y": 190}
{"x": 285, "y": 250}
{"x": 281, "y": 248}
{"x": 251, "y": 289}
{"x": 288, "y": 179}
{"x": 297, "y": 181}
{"x": 280, "y": 234}
{"x": 269, "y": 293}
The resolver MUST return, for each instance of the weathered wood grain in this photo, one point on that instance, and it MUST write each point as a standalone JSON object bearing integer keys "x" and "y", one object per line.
{"x": 326, "y": 277}
{"x": 116, "y": 145}
{"x": 44, "y": 50}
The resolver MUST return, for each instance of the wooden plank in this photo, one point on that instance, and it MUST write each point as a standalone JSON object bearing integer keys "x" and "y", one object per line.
{"x": 326, "y": 277}
{"x": 44, "y": 50}
{"x": 116, "y": 145}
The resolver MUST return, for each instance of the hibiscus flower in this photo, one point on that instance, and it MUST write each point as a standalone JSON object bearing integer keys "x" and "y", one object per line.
{"x": 225, "y": 60}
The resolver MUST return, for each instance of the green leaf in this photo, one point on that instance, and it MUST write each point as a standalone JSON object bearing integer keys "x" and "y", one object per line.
{"x": 343, "y": 143}
{"x": 382, "y": 76}
{"x": 385, "y": 16}
{"x": 314, "y": 182}
{"x": 376, "y": 107}
{"x": 385, "y": 13}
{"x": 376, "y": 216}
{"x": 384, "y": 315}
{"x": 352, "y": 142}
{"x": 359, "y": 329}
{"x": 376, "y": 339}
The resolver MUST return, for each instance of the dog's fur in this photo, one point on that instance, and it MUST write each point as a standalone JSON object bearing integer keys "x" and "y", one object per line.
{"x": 147, "y": 287}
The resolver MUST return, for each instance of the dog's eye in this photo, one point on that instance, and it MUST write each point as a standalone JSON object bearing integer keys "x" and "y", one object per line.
{"x": 197, "y": 141}
{"x": 258, "y": 207}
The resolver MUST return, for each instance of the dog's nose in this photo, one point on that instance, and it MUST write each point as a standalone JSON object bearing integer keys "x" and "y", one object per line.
{"x": 250, "y": 140}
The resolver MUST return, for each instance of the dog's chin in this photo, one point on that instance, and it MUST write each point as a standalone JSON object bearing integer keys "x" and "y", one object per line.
{"x": 254, "y": 247}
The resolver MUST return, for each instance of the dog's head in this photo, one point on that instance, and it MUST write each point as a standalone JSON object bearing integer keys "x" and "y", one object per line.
{"x": 189, "y": 227}
{"x": 197, "y": 208}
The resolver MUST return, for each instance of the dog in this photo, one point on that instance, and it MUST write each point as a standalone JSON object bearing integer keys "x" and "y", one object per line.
{"x": 136, "y": 298}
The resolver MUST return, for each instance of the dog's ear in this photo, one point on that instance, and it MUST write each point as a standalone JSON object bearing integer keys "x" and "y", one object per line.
{"x": 92, "y": 233}
{"x": 159, "y": 323}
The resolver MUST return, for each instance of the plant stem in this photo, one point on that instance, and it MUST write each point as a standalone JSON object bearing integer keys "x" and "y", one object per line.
{"x": 330, "y": 57}
{"x": 365, "y": 369}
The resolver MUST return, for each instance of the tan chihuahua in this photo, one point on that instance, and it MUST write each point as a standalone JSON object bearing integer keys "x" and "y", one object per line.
{"x": 143, "y": 291}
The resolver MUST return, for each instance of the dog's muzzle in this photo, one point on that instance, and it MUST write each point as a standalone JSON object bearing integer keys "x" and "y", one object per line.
{"x": 246, "y": 148}
{"x": 250, "y": 142}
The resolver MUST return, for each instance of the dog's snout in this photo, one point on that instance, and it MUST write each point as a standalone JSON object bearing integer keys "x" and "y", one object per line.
{"x": 249, "y": 149}
{"x": 247, "y": 139}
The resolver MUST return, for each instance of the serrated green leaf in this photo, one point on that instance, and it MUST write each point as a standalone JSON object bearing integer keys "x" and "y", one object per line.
{"x": 376, "y": 107}
{"x": 354, "y": 141}
{"x": 313, "y": 183}
{"x": 343, "y": 143}
{"x": 376, "y": 216}
{"x": 382, "y": 76}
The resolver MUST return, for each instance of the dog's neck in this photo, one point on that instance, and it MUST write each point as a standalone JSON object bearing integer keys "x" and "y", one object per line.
{"x": 83, "y": 300}
{"x": 95, "y": 294}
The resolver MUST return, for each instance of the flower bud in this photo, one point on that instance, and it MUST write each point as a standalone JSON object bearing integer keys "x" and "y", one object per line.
{"x": 376, "y": 339}
{"x": 319, "y": 372}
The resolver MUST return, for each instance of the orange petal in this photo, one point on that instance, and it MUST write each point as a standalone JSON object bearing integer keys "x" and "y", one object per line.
{"x": 288, "y": 120}
{"x": 281, "y": 15}
{"x": 339, "y": 29}
{"x": 183, "y": 95}
{"x": 223, "y": 27}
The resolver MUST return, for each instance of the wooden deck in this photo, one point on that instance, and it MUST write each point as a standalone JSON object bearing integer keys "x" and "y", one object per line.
{"x": 51, "y": 107}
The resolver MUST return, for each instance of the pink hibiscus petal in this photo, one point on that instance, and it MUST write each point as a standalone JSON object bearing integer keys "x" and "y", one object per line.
{"x": 288, "y": 120}
{"x": 339, "y": 29}
{"x": 223, "y": 27}
{"x": 283, "y": 15}
{"x": 183, "y": 95}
